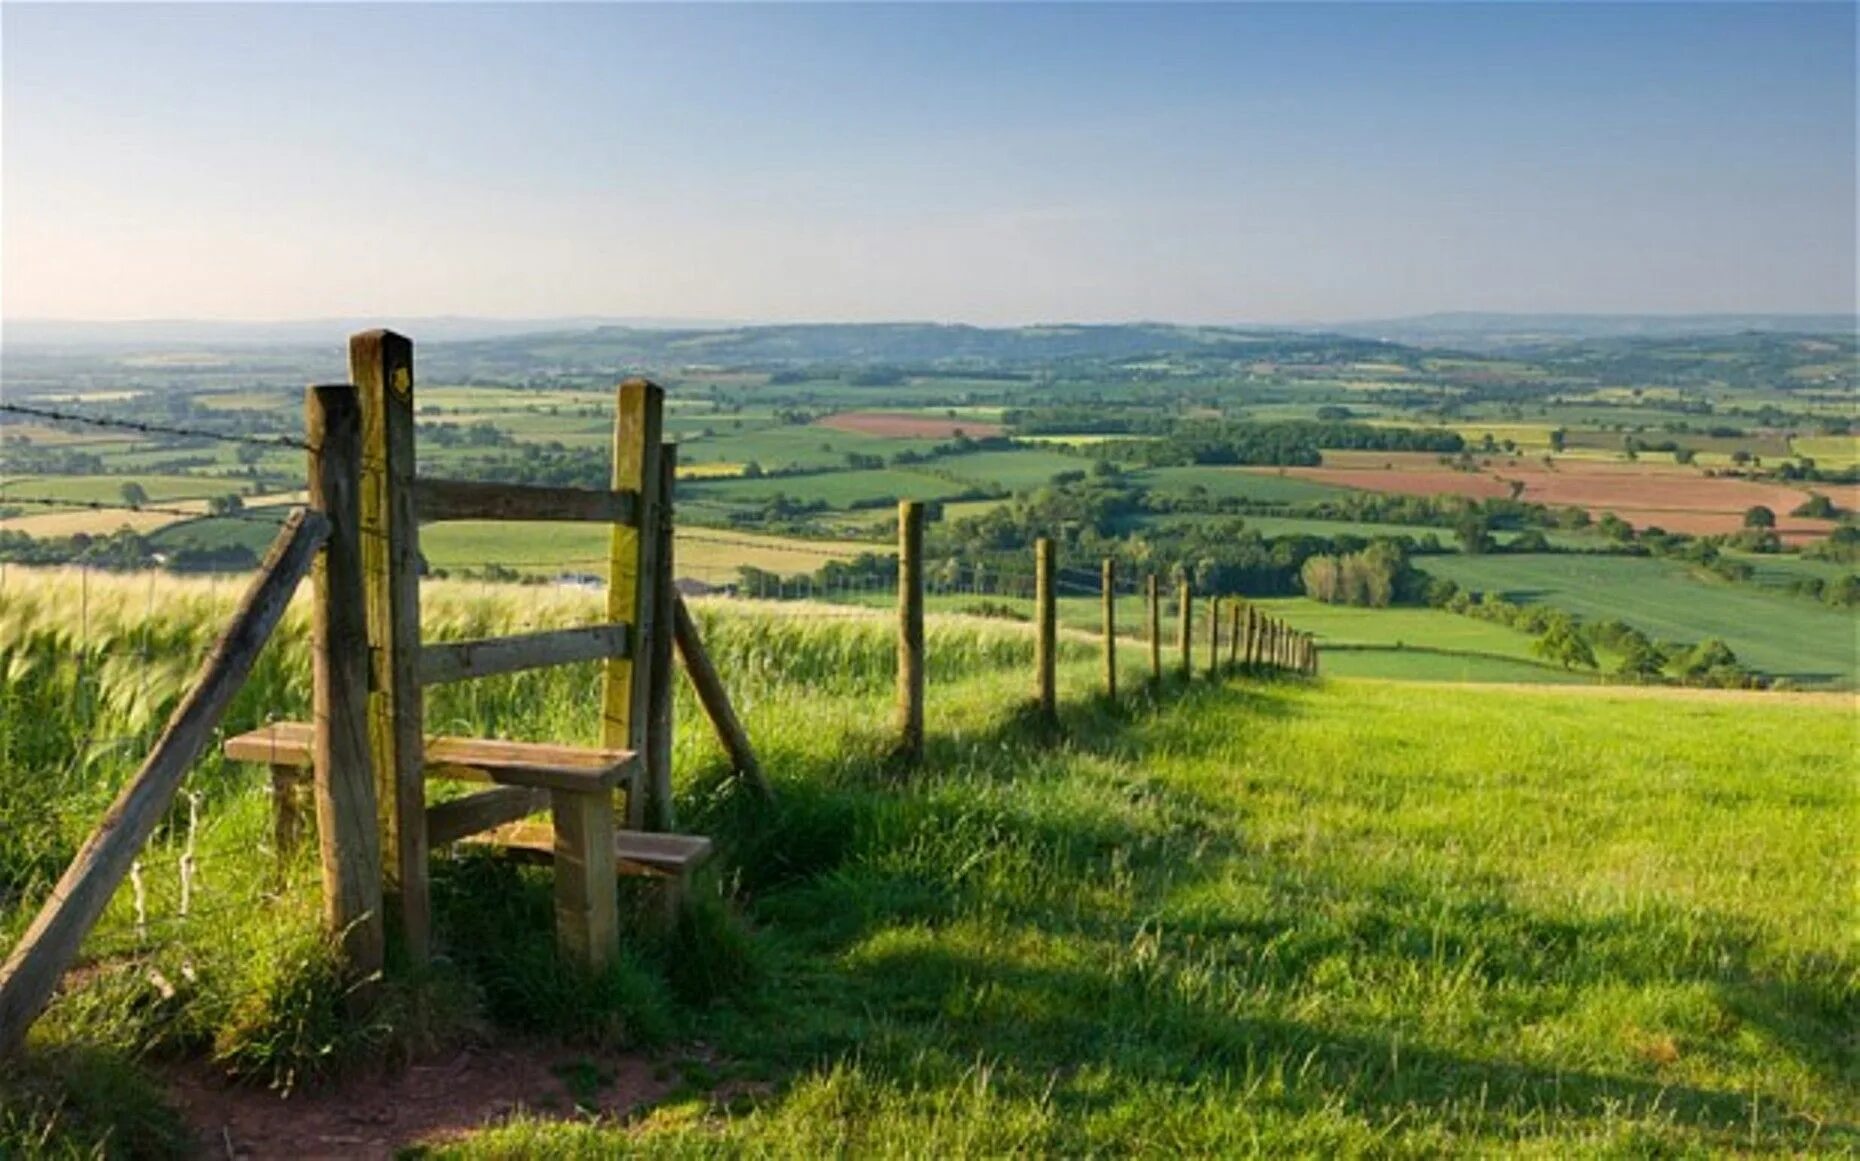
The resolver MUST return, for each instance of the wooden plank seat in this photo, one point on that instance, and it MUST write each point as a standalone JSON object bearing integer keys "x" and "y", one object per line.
{"x": 542, "y": 765}
{"x": 636, "y": 852}
{"x": 669, "y": 859}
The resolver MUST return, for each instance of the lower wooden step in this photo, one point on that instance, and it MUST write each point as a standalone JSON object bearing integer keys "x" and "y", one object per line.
{"x": 635, "y": 852}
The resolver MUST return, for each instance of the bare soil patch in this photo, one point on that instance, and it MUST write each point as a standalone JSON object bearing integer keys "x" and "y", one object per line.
{"x": 377, "y": 1116}
{"x": 1676, "y": 498}
{"x": 907, "y": 425}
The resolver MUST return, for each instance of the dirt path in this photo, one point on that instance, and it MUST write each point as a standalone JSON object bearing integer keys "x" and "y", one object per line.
{"x": 376, "y": 1116}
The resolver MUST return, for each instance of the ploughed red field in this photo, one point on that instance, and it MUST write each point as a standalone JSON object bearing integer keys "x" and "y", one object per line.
{"x": 1669, "y": 496}
{"x": 907, "y": 425}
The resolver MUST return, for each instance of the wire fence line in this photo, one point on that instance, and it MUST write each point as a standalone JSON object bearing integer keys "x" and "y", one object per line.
{"x": 148, "y": 428}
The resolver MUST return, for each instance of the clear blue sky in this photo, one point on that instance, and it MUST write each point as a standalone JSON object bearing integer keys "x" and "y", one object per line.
{"x": 985, "y": 164}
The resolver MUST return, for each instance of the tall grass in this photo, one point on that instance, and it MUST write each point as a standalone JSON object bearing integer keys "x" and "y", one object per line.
{"x": 1272, "y": 917}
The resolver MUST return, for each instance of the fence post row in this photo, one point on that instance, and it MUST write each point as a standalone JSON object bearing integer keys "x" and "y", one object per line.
{"x": 910, "y": 631}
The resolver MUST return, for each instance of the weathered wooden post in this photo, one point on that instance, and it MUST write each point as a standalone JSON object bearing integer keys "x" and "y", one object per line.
{"x": 660, "y": 676}
{"x": 1046, "y": 626}
{"x": 1234, "y": 616}
{"x": 911, "y": 631}
{"x": 1185, "y": 632}
{"x": 1214, "y": 636}
{"x": 381, "y": 365}
{"x": 348, "y": 820}
{"x": 1108, "y": 583}
{"x": 1154, "y": 597}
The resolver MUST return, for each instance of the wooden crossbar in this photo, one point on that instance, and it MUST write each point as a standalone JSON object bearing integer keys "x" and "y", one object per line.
{"x": 436, "y": 500}
{"x": 461, "y": 660}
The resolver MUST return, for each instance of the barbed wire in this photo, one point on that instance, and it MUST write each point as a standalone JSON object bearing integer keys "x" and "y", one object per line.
{"x": 7, "y": 498}
{"x": 147, "y": 428}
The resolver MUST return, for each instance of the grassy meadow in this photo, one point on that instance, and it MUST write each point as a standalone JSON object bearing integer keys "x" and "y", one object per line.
{"x": 1810, "y": 643}
{"x": 1242, "y": 917}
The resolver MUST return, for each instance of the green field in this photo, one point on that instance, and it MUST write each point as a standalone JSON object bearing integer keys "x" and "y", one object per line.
{"x": 109, "y": 489}
{"x": 1252, "y": 484}
{"x": 1275, "y": 918}
{"x": 1013, "y": 470}
{"x": 836, "y": 489}
{"x": 1775, "y": 634}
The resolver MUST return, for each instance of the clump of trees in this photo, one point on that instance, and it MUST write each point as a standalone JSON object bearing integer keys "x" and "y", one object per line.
{"x": 1372, "y": 578}
{"x": 1574, "y": 644}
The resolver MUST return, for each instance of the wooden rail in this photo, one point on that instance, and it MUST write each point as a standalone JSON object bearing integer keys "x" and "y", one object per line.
{"x": 463, "y": 660}
{"x": 436, "y": 500}
{"x": 39, "y": 960}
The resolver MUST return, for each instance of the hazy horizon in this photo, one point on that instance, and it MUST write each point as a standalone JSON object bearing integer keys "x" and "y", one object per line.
{"x": 1260, "y": 165}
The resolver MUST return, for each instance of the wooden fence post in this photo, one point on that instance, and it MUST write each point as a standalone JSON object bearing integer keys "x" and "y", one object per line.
{"x": 1046, "y": 621}
{"x": 1234, "y": 617}
{"x": 348, "y": 826}
{"x": 632, "y": 574}
{"x": 1214, "y": 636}
{"x": 911, "y": 631}
{"x": 1185, "y": 632}
{"x": 1109, "y": 584}
{"x": 1154, "y": 597}
{"x": 38, "y": 961}
{"x": 381, "y": 365}
{"x": 660, "y": 676}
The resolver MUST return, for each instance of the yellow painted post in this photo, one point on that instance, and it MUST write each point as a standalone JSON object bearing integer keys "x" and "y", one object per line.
{"x": 632, "y": 571}
{"x": 381, "y": 364}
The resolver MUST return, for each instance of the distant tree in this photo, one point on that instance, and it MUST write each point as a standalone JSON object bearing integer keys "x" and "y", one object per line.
{"x": 1474, "y": 536}
{"x": 752, "y": 470}
{"x": 228, "y": 505}
{"x": 1559, "y": 439}
{"x": 134, "y": 494}
{"x": 1562, "y": 643}
{"x": 1758, "y": 516}
{"x": 1816, "y": 506}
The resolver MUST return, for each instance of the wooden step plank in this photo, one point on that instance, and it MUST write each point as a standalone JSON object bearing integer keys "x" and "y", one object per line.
{"x": 475, "y": 813}
{"x": 435, "y": 500}
{"x": 545, "y": 765}
{"x": 446, "y": 661}
{"x": 637, "y": 852}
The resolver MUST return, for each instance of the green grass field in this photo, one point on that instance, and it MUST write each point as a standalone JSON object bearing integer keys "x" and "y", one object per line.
{"x": 1238, "y": 918}
{"x": 1249, "y": 483}
{"x": 1771, "y": 632}
{"x": 837, "y": 489}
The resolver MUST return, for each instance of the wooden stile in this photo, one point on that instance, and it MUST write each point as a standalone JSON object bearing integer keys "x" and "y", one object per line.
{"x": 348, "y": 815}
{"x": 1046, "y": 645}
{"x": 381, "y": 365}
{"x": 910, "y": 705}
{"x": 38, "y": 961}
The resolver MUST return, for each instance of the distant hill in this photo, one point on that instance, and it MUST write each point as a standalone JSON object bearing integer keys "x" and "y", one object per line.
{"x": 1477, "y": 331}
